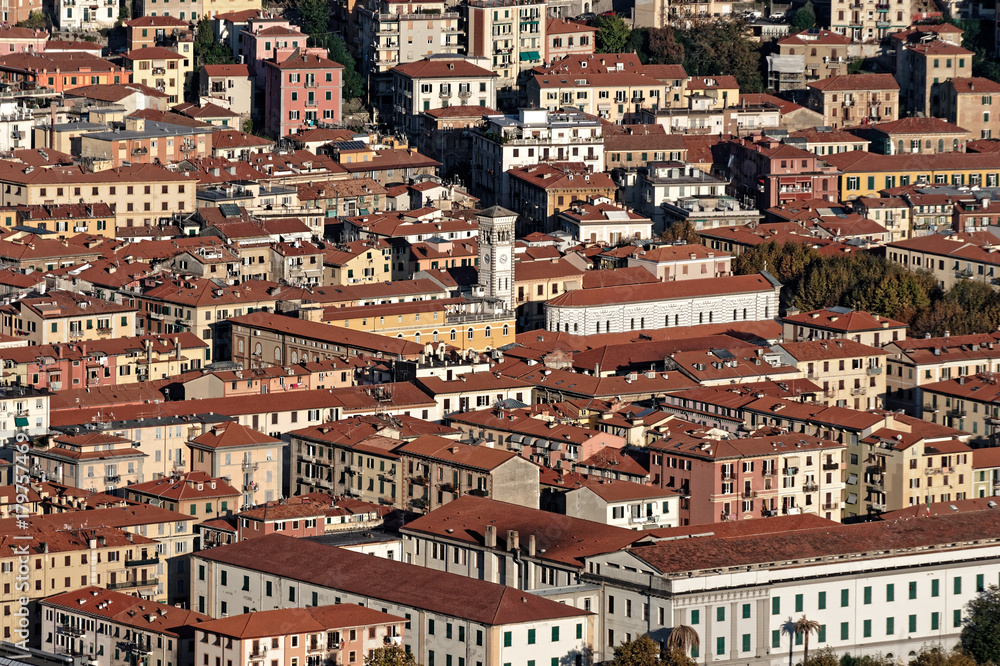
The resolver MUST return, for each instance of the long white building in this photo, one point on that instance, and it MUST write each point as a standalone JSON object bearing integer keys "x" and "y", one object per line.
{"x": 664, "y": 305}
{"x": 883, "y": 587}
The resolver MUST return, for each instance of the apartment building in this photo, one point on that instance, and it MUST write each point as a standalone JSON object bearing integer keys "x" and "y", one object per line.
{"x": 503, "y": 625}
{"x": 852, "y": 374}
{"x": 625, "y": 504}
{"x": 565, "y": 38}
{"x": 248, "y": 459}
{"x": 986, "y": 470}
{"x": 440, "y": 470}
{"x": 922, "y": 70}
{"x": 96, "y": 461}
{"x": 788, "y": 173}
{"x": 534, "y": 135}
{"x": 289, "y": 109}
{"x": 540, "y": 192}
{"x": 144, "y": 141}
{"x": 193, "y": 493}
{"x": 669, "y": 263}
{"x": 871, "y": 20}
{"x": 63, "y": 561}
{"x": 161, "y": 68}
{"x": 968, "y": 103}
{"x": 436, "y": 82}
{"x": 64, "y": 316}
{"x": 511, "y": 36}
{"x": 229, "y": 86}
{"x": 915, "y": 135}
{"x": 843, "y": 323}
{"x": 807, "y": 56}
{"x": 950, "y": 258}
{"x": 851, "y": 99}
{"x": 737, "y": 479}
{"x": 60, "y": 71}
{"x": 917, "y": 361}
{"x": 394, "y": 33}
{"x": 116, "y": 628}
{"x": 343, "y": 633}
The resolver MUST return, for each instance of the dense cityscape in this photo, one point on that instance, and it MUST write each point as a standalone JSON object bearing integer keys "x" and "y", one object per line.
{"x": 499, "y": 333}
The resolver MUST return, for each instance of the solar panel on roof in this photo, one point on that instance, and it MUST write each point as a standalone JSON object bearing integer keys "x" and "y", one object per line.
{"x": 722, "y": 354}
{"x": 229, "y": 210}
{"x": 840, "y": 309}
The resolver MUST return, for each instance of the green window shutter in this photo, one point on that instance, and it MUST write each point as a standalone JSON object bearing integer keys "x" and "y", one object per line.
{"x": 935, "y": 587}
{"x": 776, "y": 638}
{"x": 746, "y": 611}
{"x": 845, "y": 598}
{"x": 531, "y": 636}
{"x": 579, "y": 632}
{"x": 720, "y": 645}
{"x": 720, "y": 614}
{"x": 890, "y": 592}
{"x": 913, "y": 590}
{"x": 912, "y": 624}
{"x": 958, "y": 585}
{"x": 868, "y": 595}
{"x": 821, "y": 604}
{"x": 746, "y": 642}
{"x": 821, "y": 634}
{"x": 890, "y": 626}
{"x": 845, "y": 631}
{"x": 695, "y": 616}
{"x": 935, "y": 621}
{"x": 555, "y": 634}
{"x": 798, "y": 603}
{"x": 507, "y": 642}
{"x": 956, "y": 620}
{"x": 980, "y": 583}
{"x": 776, "y": 606}
{"x": 867, "y": 629}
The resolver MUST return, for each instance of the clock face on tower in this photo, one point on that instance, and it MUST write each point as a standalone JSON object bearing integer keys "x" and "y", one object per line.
{"x": 486, "y": 257}
{"x": 502, "y": 258}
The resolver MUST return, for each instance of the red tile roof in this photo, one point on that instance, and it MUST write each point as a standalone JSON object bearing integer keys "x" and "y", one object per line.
{"x": 287, "y": 621}
{"x": 231, "y": 434}
{"x": 663, "y": 291}
{"x": 855, "y": 82}
{"x": 129, "y": 610}
{"x": 365, "y": 575}
{"x": 438, "y": 67}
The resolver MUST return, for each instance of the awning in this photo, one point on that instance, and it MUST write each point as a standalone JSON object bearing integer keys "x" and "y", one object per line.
{"x": 852, "y": 498}
{"x": 21, "y": 421}
{"x": 517, "y": 439}
{"x": 530, "y": 55}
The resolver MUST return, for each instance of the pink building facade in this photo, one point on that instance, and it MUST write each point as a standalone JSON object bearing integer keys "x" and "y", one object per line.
{"x": 302, "y": 90}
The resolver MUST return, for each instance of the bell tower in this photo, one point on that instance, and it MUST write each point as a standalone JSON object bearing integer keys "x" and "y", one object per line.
{"x": 496, "y": 254}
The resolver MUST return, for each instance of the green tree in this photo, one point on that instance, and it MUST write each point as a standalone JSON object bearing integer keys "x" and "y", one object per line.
{"x": 36, "y": 21}
{"x": 935, "y": 655}
{"x": 354, "y": 85}
{"x": 725, "y": 49}
{"x": 805, "y": 17}
{"x": 824, "y": 657}
{"x": 390, "y": 655}
{"x": 681, "y": 231}
{"x": 314, "y": 16}
{"x": 981, "y": 634}
{"x": 208, "y": 51}
{"x": 805, "y": 627}
{"x": 683, "y": 638}
{"x": 676, "y": 657}
{"x": 663, "y": 48}
{"x": 643, "y": 651}
{"x": 612, "y": 36}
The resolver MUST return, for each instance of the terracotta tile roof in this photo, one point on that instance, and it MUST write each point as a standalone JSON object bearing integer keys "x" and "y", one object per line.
{"x": 156, "y": 21}
{"x": 986, "y": 458}
{"x": 855, "y": 82}
{"x": 838, "y": 320}
{"x": 318, "y": 331}
{"x": 663, "y": 291}
{"x": 287, "y": 621}
{"x": 231, "y": 434}
{"x": 153, "y": 53}
{"x": 695, "y": 445}
{"x": 300, "y": 60}
{"x": 365, "y": 575}
{"x": 555, "y": 269}
{"x": 441, "y": 67}
{"x": 448, "y": 452}
{"x": 973, "y": 85}
{"x": 914, "y": 125}
{"x": 810, "y": 37}
{"x": 230, "y": 138}
{"x": 630, "y": 275}
{"x": 187, "y": 486}
{"x": 642, "y": 138}
{"x": 615, "y": 460}
{"x": 960, "y": 530}
{"x": 128, "y": 610}
{"x": 170, "y": 118}
{"x": 558, "y": 26}
{"x": 819, "y": 350}
{"x": 627, "y": 491}
{"x": 227, "y": 70}
{"x": 272, "y": 512}
{"x": 558, "y": 538}
{"x": 666, "y": 72}
{"x": 204, "y": 111}
{"x": 938, "y": 47}
{"x": 117, "y": 518}
{"x": 562, "y": 175}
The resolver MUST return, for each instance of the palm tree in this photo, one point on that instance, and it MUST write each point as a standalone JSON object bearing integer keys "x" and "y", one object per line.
{"x": 683, "y": 638}
{"x": 805, "y": 626}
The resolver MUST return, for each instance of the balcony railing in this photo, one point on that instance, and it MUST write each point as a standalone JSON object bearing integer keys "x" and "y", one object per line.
{"x": 791, "y": 471}
{"x": 831, "y": 506}
{"x": 810, "y": 488}
{"x": 957, "y": 412}
{"x": 143, "y": 562}
{"x": 830, "y": 466}
{"x": 859, "y": 390}
{"x": 125, "y": 584}
{"x": 874, "y": 370}
{"x": 248, "y": 466}
{"x": 67, "y": 629}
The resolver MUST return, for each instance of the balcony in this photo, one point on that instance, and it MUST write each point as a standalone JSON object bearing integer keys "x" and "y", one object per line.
{"x": 876, "y": 506}
{"x": 143, "y": 562}
{"x": 728, "y": 476}
{"x": 876, "y": 487}
{"x": 67, "y": 629}
{"x": 445, "y": 93}
{"x": 810, "y": 487}
{"x": 418, "y": 480}
{"x": 829, "y": 467}
{"x": 859, "y": 390}
{"x": 882, "y": 24}
{"x": 126, "y": 584}
{"x": 769, "y": 472}
{"x": 831, "y": 506}
{"x": 248, "y": 466}
{"x": 464, "y": 94}
{"x": 448, "y": 487}
{"x": 791, "y": 471}
{"x": 259, "y": 652}
{"x": 769, "y": 513}
{"x": 957, "y": 412}
{"x": 113, "y": 478}
{"x": 159, "y": 71}
{"x": 874, "y": 370}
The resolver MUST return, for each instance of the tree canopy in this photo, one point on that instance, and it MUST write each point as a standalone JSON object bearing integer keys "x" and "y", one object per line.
{"x": 681, "y": 231}
{"x": 613, "y": 34}
{"x": 354, "y": 85}
{"x": 207, "y": 50}
{"x": 805, "y": 17}
{"x": 390, "y": 655}
{"x": 981, "y": 634}
{"x": 725, "y": 49}
{"x": 314, "y": 16}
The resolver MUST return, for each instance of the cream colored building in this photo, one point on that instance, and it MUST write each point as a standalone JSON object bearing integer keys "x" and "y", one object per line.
{"x": 358, "y": 262}
{"x": 94, "y": 461}
{"x": 850, "y": 99}
{"x": 161, "y": 68}
{"x": 63, "y": 316}
{"x": 851, "y": 374}
{"x": 250, "y": 460}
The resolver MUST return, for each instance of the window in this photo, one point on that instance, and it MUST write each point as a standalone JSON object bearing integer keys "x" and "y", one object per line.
{"x": 798, "y": 603}
{"x": 746, "y": 643}
{"x": 776, "y": 638}
{"x": 720, "y": 614}
{"x": 913, "y": 590}
{"x": 821, "y": 603}
{"x": 507, "y": 640}
{"x": 890, "y": 626}
{"x": 845, "y": 598}
{"x": 868, "y": 595}
{"x": 695, "y": 617}
{"x": 935, "y": 587}
{"x": 746, "y": 611}
{"x": 935, "y": 621}
{"x": 890, "y": 592}
{"x": 867, "y": 629}
{"x": 555, "y": 634}
{"x": 958, "y": 585}
{"x": 531, "y": 636}
{"x": 720, "y": 645}
{"x": 845, "y": 631}
{"x": 775, "y": 606}
{"x": 912, "y": 624}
